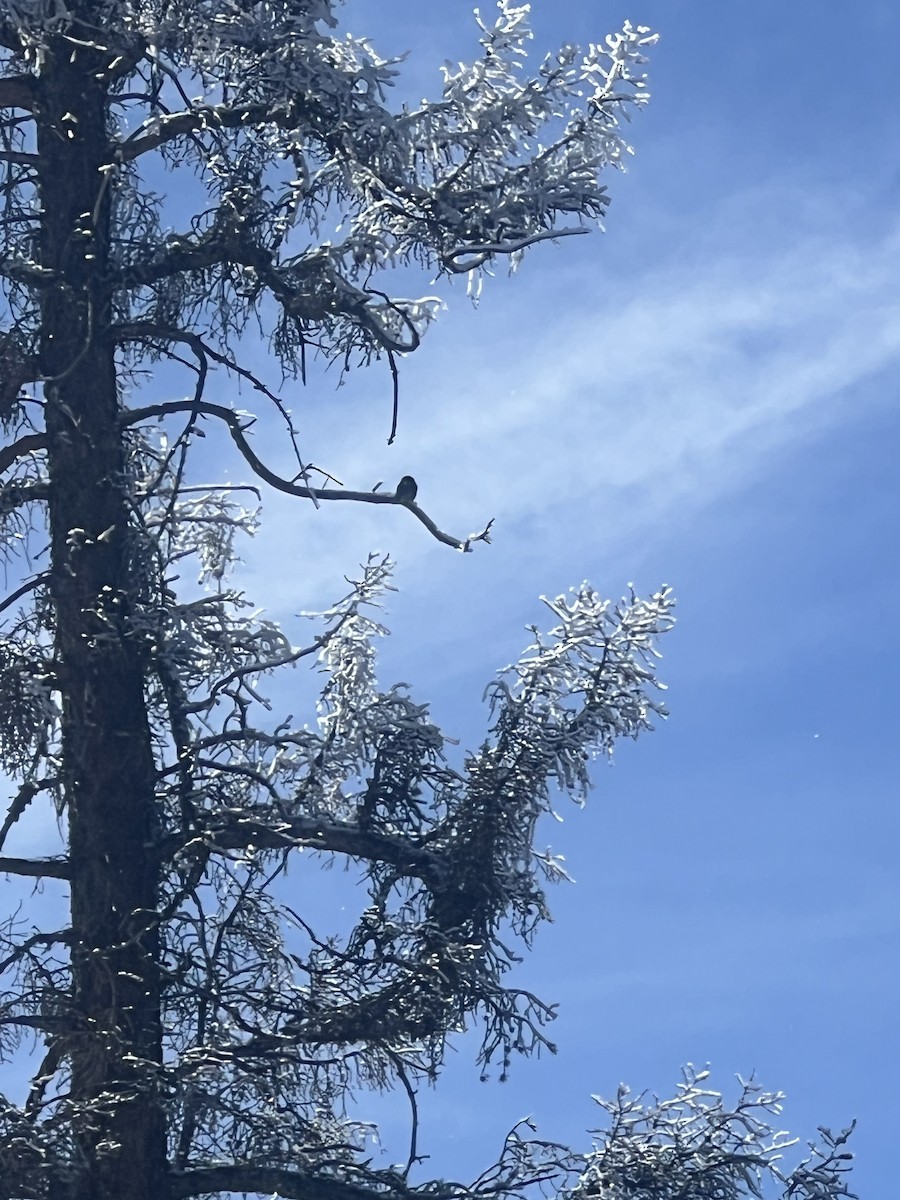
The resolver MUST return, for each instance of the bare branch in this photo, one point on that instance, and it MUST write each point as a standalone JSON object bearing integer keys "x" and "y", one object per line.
{"x": 476, "y": 256}
{"x": 236, "y": 429}
{"x": 10, "y": 600}
{"x": 149, "y": 331}
{"x": 26, "y": 445}
{"x": 27, "y": 791}
{"x": 36, "y": 868}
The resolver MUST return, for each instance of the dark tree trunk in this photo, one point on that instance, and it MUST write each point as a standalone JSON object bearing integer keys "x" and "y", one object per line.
{"x": 107, "y": 759}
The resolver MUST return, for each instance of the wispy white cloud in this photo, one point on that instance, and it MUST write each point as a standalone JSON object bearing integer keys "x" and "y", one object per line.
{"x": 578, "y": 418}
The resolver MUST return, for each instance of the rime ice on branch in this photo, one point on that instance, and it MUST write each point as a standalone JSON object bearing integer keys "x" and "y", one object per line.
{"x": 198, "y": 1035}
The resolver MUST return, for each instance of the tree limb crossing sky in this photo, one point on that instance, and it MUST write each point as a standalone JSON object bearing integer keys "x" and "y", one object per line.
{"x": 703, "y": 396}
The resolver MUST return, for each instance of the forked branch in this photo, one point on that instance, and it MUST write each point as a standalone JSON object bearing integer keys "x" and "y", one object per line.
{"x": 237, "y": 430}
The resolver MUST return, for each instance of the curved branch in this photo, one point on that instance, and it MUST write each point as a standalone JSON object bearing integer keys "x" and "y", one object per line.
{"x": 227, "y": 244}
{"x": 239, "y": 674}
{"x": 477, "y": 255}
{"x": 414, "y": 1156}
{"x": 25, "y": 445}
{"x": 149, "y": 331}
{"x": 26, "y": 587}
{"x": 236, "y": 429}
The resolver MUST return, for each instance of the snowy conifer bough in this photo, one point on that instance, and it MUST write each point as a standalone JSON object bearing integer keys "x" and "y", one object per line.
{"x": 194, "y": 1036}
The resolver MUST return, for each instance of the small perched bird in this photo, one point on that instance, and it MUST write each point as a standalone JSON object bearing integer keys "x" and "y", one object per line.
{"x": 406, "y": 489}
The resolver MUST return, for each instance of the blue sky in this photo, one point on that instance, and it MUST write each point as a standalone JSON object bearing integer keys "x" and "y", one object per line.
{"x": 703, "y": 396}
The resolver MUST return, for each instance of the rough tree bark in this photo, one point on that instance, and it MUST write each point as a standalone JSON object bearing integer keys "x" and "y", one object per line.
{"x": 108, "y": 768}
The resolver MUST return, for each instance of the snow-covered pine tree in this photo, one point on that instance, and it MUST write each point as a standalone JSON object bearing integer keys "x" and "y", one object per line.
{"x": 194, "y": 1036}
